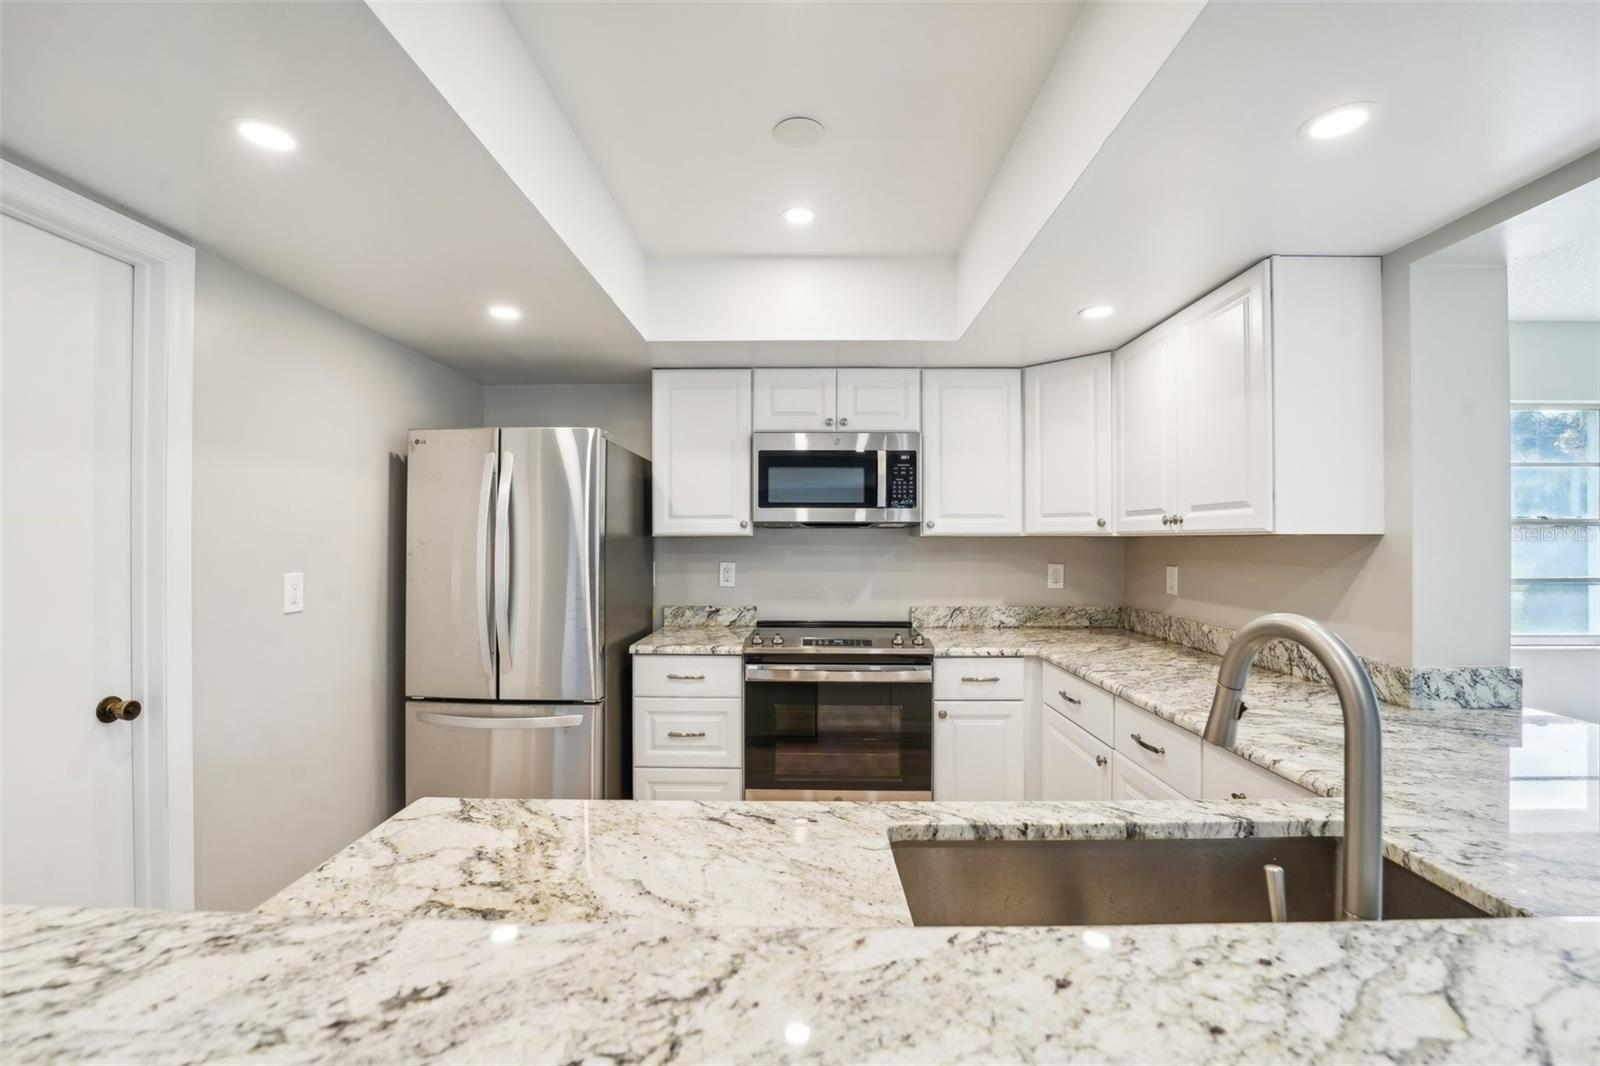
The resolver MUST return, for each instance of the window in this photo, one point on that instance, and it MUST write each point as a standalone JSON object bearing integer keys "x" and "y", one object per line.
{"x": 1555, "y": 524}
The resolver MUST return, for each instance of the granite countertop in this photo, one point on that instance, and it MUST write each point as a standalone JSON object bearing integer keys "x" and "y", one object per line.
{"x": 709, "y": 639}
{"x": 155, "y": 986}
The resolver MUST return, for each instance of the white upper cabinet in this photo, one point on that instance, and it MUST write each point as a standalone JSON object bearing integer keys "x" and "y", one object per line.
{"x": 1144, "y": 481}
{"x": 817, "y": 400}
{"x": 793, "y": 401}
{"x": 971, "y": 452}
{"x": 880, "y": 401}
{"x": 700, "y": 435}
{"x": 1222, "y": 413}
{"x": 1258, "y": 409}
{"x": 1067, "y": 446}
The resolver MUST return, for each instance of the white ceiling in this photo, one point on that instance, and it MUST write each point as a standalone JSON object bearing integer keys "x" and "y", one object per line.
{"x": 394, "y": 213}
{"x": 675, "y": 103}
{"x": 390, "y": 213}
{"x": 1561, "y": 285}
{"x": 1206, "y": 174}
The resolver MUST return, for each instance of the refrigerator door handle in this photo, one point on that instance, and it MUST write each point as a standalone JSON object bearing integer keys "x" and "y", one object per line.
{"x": 469, "y": 721}
{"x": 485, "y": 620}
{"x": 502, "y": 562}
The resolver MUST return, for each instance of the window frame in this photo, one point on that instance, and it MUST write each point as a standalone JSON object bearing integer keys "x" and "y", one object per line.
{"x": 1549, "y": 639}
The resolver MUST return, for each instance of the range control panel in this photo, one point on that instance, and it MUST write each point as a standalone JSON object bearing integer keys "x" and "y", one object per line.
{"x": 902, "y": 474}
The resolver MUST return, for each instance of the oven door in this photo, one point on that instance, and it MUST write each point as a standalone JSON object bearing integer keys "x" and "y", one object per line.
{"x": 832, "y": 731}
{"x": 850, "y": 479}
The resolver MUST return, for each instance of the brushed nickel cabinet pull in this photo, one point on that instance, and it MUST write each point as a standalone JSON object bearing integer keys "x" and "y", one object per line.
{"x": 684, "y": 736}
{"x": 1063, "y": 694}
{"x": 980, "y": 680}
{"x": 1100, "y": 760}
{"x": 686, "y": 677}
{"x": 1137, "y": 739}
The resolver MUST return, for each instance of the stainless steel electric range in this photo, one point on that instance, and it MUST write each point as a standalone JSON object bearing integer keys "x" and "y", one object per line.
{"x": 838, "y": 710}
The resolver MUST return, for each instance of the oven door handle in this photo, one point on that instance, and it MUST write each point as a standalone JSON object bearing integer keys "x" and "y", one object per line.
{"x": 859, "y": 674}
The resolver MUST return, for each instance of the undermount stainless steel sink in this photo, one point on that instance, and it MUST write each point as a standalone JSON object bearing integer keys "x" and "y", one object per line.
{"x": 1141, "y": 882}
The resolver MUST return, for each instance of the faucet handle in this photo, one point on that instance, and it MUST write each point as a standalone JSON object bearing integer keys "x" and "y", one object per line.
{"x": 1277, "y": 897}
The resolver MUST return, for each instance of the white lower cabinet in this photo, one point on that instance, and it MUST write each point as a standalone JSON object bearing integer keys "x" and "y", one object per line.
{"x": 679, "y": 783}
{"x": 1224, "y": 775}
{"x": 1130, "y": 782}
{"x": 688, "y": 727}
{"x": 978, "y": 750}
{"x": 1073, "y": 764}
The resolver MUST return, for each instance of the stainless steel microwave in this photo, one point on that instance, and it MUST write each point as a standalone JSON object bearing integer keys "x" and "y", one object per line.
{"x": 835, "y": 479}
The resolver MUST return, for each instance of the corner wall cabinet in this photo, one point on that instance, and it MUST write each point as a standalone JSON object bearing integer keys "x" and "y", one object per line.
{"x": 1066, "y": 461}
{"x": 1259, "y": 408}
{"x": 971, "y": 452}
{"x": 813, "y": 400}
{"x": 700, "y": 435}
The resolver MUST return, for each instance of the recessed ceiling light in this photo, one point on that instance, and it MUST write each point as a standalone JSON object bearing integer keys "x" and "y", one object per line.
{"x": 799, "y": 216}
{"x": 1337, "y": 122}
{"x": 798, "y": 132}
{"x": 1097, "y": 311}
{"x": 504, "y": 312}
{"x": 265, "y": 135}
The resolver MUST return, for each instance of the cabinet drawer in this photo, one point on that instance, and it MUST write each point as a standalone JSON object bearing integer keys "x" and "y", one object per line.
{"x": 1225, "y": 775}
{"x": 678, "y": 783}
{"x": 977, "y": 679}
{"x": 1169, "y": 752}
{"x": 688, "y": 675}
{"x": 708, "y": 732}
{"x": 1086, "y": 706}
{"x": 1130, "y": 782}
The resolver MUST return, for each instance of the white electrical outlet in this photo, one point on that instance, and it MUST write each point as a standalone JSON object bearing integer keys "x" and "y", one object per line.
{"x": 1172, "y": 581}
{"x": 725, "y": 575}
{"x": 1055, "y": 576}
{"x": 294, "y": 593}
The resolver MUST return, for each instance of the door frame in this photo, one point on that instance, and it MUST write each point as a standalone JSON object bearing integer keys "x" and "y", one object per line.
{"x": 161, "y": 529}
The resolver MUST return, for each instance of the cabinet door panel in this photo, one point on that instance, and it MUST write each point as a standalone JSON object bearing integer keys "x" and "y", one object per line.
{"x": 1073, "y": 765}
{"x": 972, "y": 452}
{"x": 1131, "y": 782}
{"x": 1067, "y": 449}
{"x": 681, "y": 783}
{"x": 793, "y": 401}
{"x": 978, "y": 750}
{"x": 700, "y": 480}
{"x": 880, "y": 401}
{"x": 1223, "y": 400}
{"x": 1144, "y": 493}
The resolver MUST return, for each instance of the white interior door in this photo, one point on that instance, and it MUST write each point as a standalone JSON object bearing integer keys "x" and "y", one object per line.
{"x": 66, "y": 336}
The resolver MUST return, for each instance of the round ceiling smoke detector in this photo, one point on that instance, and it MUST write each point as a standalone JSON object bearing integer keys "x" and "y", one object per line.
{"x": 798, "y": 132}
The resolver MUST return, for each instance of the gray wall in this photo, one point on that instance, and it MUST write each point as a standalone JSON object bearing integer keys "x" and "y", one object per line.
{"x": 1555, "y": 362}
{"x": 300, "y": 420}
{"x": 881, "y": 573}
{"x": 621, "y": 410}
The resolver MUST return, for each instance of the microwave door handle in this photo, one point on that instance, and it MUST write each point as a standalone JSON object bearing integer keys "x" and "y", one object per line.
{"x": 502, "y": 562}
{"x": 481, "y": 567}
{"x": 883, "y": 479}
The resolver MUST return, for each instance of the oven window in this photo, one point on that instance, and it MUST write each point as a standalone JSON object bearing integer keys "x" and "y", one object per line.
{"x": 818, "y": 479}
{"x": 803, "y": 735}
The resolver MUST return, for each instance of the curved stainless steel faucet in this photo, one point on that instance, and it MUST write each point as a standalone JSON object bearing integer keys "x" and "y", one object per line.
{"x": 1361, "y": 865}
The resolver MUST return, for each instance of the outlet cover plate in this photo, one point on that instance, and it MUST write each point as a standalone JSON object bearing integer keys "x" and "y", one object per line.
{"x": 294, "y": 593}
{"x": 725, "y": 575}
{"x": 1172, "y": 581}
{"x": 1055, "y": 576}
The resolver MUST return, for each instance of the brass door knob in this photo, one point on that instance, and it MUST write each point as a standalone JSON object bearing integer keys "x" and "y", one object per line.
{"x": 113, "y": 709}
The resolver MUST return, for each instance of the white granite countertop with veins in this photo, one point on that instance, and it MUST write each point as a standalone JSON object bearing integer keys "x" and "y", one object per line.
{"x": 155, "y": 986}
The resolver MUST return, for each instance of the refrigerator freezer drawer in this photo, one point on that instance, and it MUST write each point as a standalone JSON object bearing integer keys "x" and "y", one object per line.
{"x": 502, "y": 750}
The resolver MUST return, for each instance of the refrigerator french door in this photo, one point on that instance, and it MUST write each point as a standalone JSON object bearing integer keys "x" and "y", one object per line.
{"x": 527, "y": 576}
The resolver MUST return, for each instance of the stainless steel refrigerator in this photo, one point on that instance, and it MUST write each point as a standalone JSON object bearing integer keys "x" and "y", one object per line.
{"x": 528, "y": 565}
